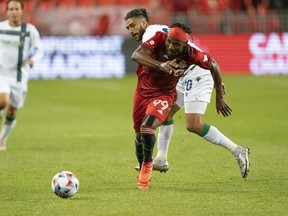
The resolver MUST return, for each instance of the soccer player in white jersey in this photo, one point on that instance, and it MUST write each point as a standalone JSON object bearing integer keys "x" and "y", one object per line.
{"x": 18, "y": 40}
{"x": 194, "y": 91}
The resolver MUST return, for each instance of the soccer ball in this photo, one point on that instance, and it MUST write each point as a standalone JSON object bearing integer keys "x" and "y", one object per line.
{"x": 65, "y": 184}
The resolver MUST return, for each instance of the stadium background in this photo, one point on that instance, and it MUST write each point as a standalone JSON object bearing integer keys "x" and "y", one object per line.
{"x": 85, "y": 125}
{"x": 87, "y": 38}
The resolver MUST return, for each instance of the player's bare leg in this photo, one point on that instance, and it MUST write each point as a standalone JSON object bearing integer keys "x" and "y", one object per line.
{"x": 4, "y": 100}
{"x": 195, "y": 124}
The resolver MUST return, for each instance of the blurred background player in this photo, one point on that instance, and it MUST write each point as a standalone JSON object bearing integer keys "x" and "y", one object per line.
{"x": 194, "y": 91}
{"x": 17, "y": 40}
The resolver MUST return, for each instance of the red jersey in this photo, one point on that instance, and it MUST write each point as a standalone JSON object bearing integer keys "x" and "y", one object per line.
{"x": 152, "y": 83}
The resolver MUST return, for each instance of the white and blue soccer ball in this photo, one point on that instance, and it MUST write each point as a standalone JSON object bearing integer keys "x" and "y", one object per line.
{"x": 65, "y": 184}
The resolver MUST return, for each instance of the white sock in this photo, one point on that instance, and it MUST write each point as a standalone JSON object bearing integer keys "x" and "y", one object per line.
{"x": 164, "y": 137}
{"x": 215, "y": 136}
{"x": 6, "y": 130}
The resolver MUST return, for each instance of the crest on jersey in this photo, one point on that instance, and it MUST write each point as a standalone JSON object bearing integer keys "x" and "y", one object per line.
{"x": 152, "y": 42}
{"x": 165, "y": 30}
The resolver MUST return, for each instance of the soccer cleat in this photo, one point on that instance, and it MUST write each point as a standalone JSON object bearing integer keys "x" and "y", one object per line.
{"x": 137, "y": 168}
{"x": 145, "y": 175}
{"x": 160, "y": 164}
{"x": 241, "y": 155}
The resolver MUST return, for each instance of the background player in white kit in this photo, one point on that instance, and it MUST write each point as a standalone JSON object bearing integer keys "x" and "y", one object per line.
{"x": 17, "y": 41}
{"x": 194, "y": 93}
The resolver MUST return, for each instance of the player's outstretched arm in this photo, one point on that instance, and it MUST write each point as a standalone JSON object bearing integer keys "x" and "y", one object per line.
{"x": 143, "y": 56}
{"x": 221, "y": 105}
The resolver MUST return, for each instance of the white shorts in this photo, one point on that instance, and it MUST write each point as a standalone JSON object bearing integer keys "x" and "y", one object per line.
{"x": 194, "y": 90}
{"x": 17, "y": 93}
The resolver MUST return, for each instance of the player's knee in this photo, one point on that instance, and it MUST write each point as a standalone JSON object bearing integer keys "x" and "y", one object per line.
{"x": 11, "y": 112}
{"x": 3, "y": 105}
{"x": 4, "y": 100}
{"x": 169, "y": 117}
{"x": 194, "y": 128}
{"x": 148, "y": 138}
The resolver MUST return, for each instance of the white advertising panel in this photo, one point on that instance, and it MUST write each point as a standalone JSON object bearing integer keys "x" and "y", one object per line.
{"x": 81, "y": 57}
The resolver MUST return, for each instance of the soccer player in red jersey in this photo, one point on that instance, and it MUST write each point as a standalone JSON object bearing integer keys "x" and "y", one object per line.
{"x": 194, "y": 90}
{"x": 162, "y": 59}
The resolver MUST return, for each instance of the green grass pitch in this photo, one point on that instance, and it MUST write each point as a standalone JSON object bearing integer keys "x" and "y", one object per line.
{"x": 85, "y": 126}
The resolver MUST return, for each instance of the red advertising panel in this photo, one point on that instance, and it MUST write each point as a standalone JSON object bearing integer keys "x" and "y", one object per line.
{"x": 105, "y": 57}
{"x": 257, "y": 54}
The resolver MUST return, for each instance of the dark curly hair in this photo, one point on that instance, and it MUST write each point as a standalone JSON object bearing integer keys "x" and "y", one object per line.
{"x": 182, "y": 26}
{"x": 138, "y": 12}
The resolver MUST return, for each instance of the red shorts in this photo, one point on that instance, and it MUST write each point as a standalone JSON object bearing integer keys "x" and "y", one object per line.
{"x": 156, "y": 106}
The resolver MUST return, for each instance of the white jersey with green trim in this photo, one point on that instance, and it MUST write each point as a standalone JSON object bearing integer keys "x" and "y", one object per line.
{"x": 12, "y": 54}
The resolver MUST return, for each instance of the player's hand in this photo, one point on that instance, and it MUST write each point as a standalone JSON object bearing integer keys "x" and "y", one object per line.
{"x": 222, "y": 107}
{"x": 169, "y": 66}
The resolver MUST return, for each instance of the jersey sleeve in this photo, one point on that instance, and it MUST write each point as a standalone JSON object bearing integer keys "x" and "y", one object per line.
{"x": 202, "y": 59}
{"x": 155, "y": 41}
{"x": 36, "y": 44}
